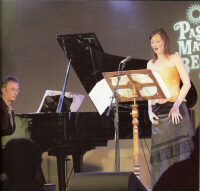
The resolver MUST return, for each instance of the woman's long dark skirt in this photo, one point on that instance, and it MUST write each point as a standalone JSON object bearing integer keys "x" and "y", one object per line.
{"x": 170, "y": 142}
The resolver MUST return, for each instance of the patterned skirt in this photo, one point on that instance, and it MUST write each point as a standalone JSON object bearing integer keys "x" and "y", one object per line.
{"x": 170, "y": 142}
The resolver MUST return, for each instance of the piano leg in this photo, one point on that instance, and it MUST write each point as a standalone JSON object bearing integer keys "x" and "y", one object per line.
{"x": 61, "y": 165}
{"x": 78, "y": 162}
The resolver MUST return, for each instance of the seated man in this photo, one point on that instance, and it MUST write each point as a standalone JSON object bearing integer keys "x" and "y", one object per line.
{"x": 8, "y": 93}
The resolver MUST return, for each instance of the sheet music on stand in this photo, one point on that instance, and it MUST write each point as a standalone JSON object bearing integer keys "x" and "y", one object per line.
{"x": 76, "y": 103}
{"x": 101, "y": 96}
{"x": 145, "y": 91}
{"x": 102, "y": 92}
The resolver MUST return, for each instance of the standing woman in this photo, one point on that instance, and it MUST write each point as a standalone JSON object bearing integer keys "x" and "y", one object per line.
{"x": 171, "y": 125}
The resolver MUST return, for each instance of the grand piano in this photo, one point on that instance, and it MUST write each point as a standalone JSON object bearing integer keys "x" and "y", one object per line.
{"x": 75, "y": 133}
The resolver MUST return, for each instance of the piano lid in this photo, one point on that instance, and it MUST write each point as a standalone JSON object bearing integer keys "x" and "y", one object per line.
{"x": 89, "y": 60}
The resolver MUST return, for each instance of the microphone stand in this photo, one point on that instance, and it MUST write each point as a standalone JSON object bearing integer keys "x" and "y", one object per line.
{"x": 116, "y": 121}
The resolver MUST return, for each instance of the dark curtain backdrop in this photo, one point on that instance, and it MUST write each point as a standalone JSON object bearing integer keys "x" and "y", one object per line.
{"x": 30, "y": 51}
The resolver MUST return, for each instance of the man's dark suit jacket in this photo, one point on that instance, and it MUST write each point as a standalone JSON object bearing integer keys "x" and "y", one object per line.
{"x": 5, "y": 126}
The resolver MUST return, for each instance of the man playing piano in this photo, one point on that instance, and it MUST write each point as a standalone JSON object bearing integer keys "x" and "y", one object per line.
{"x": 9, "y": 92}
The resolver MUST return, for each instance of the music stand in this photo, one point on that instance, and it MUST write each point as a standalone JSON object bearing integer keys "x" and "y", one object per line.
{"x": 137, "y": 85}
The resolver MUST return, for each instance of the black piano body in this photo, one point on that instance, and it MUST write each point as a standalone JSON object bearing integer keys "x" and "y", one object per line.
{"x": 68, "y": 133}
{"x": 52, "y": 129}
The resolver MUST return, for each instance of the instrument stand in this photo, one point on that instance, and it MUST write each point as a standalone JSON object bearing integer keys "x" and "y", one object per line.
{"x": 133, "y": 89}
{"x": 116, "y": 122}
{"x": 135, "y": 122}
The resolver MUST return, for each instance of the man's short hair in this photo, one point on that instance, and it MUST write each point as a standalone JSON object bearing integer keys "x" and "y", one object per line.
{"x": 8, "y": 79}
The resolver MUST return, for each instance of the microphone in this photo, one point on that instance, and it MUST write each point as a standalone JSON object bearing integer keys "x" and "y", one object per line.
{"x": 128, "y": 58}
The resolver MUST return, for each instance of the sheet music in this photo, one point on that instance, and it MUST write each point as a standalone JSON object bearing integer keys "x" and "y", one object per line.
{"x": 141, "y": 78}
{"x": 101, "y": 96}
{"x": 77, "y": 99}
